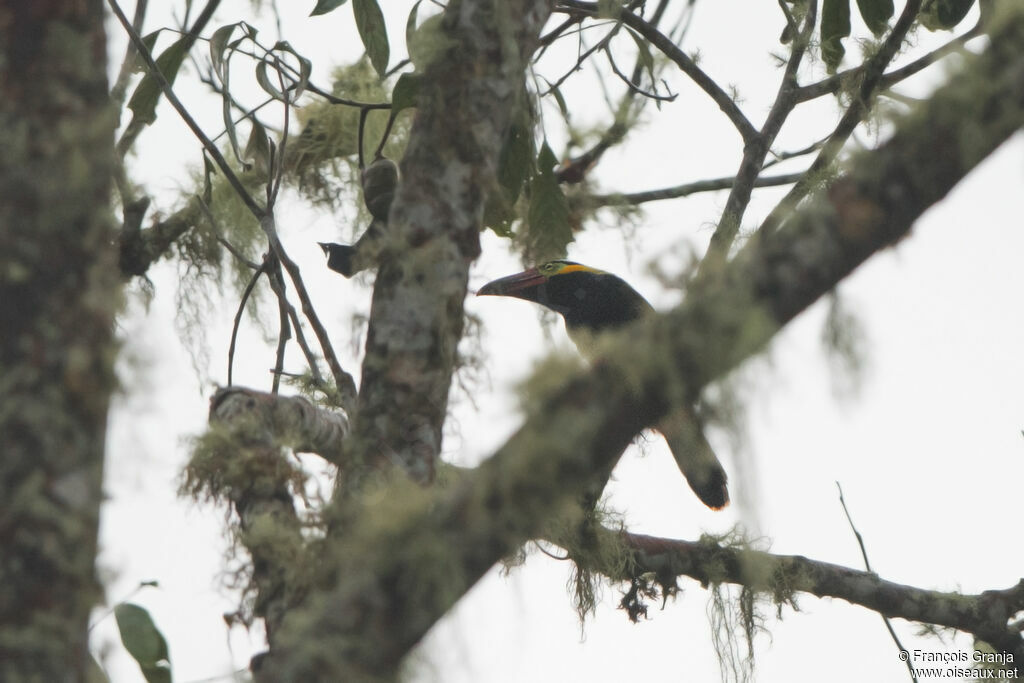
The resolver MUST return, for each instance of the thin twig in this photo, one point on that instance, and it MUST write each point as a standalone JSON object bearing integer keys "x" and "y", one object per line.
{"x": 276, "y": 280}
{"x": 555, "y": 33}
{"x": 576, "y": 169}
{"x": 346, "y": 385}
{"x": 785, "y": 156}
{"x": 873, "y": 71}
{"x": 867, "y": 566}
{"x": 238, "y": 316}
{"x": 134, "y": 128}
{"x": 168, "y": 92}
{"x": 124, "y": 75}
{"x": 687, "y": 189}
{"x": 582, "y": 57}
{"x": 673, "y": 52}
{"x": 284, "y": 334}
{"x": 632, "y": 86}
{"x": 560, "y": 558}
{"x": 756, "y": 150}
{"x": 834, "y": 83}
{"x": 277, "y": 174}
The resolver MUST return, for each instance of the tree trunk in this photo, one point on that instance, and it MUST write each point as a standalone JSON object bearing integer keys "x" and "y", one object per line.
{"x": 59, "y": 292}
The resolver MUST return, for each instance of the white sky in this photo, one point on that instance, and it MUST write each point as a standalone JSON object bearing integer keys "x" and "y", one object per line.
{"x": 929, "y": 450}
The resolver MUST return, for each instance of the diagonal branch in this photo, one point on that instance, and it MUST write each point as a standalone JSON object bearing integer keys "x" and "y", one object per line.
{"x": 681, "y": 59}
{"x": 168, "y": 92}
{"x": 392, "y": 580}
{"x": 756, "y": 150}
{"x": 873, "y": 71}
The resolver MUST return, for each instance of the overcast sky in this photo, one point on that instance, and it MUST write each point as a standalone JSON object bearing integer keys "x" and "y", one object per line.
{"x": 926, "y": 439}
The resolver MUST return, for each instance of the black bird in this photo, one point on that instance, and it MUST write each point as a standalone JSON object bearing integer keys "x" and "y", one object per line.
{"x": 592, "y": 301}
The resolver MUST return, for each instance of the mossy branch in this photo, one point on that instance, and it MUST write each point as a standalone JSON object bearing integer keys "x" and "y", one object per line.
{"x": 390, "y": 583}
{"x": 985, "y": 615}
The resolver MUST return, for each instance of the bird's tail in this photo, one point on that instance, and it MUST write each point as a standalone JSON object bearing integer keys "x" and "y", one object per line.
{"x": 697, "y": 461}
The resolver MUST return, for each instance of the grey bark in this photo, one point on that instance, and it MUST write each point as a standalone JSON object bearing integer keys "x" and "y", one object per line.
{"x": 59, "y": 291}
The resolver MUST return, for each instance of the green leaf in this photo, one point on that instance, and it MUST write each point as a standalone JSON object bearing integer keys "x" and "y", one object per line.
{"x": 149, "y": 40}
{"x": 515, "y": 161}
{"x": 147, "y": 92}
{"x": 305, "y": 69}
{"x": 835, "y": 25}
{"x": 555, "y": 92}
{"x": 325, "y": 6}
{"x": 370, "y": 22}
{"x": 410, "y": 23}
{"x": 144, "y": 642}
{"x": 257, "y": 149}
{"x": 643, "y": 53}
{"x": 271, "y": 82}
{"x": 548, "y": 215}
{"x": 876, "y": 14}
{"x": 943, "y": 15}
{"x": 406, "y": 92}
{"x": 218, "y": 48}
{"x": 222, "y": 48}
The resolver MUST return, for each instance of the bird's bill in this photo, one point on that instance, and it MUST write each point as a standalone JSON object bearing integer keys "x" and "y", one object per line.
{"x": 514, "y": 285}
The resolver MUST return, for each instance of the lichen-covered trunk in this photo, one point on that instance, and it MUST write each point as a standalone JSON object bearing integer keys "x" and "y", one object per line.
{"x": 58, "y": 295}
{"x": 471, "y": 89}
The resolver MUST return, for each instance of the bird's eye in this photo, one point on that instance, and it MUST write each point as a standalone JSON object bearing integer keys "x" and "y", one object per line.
{"x": 548, "y": 268}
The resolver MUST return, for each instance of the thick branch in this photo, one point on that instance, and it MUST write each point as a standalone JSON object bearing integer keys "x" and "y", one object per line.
{"x": 245, "y": 465}
{"x": 139, "y": 249}
{"x": 432, "y": 233}
{"x": 293, "y": 421}
{"x": 394, "y": 579}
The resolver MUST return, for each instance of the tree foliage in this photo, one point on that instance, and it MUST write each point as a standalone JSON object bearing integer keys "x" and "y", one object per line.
{"x": 478, "y": 119}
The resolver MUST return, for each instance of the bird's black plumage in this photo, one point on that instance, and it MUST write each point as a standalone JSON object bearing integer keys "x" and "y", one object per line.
{"x": 592, "y": 302}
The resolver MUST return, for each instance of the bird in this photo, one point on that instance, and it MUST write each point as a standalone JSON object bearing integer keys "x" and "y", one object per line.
{"x": 593, "y": 302}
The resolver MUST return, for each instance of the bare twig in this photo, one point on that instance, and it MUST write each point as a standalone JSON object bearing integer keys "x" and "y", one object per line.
{"x": 284, "y": 334}
{"x": 346, "y": 385}
{"x": 687, "y": 189}
{"x": 582, "y": 57}
{"x": 834, "y": 83}
{"x": 277, "y": 284}
{"x": 238, "y": 315}
{"x": 779, "y": 157}
{"x": 873, "y": 71}
{"x": 867, "y": 566}
{"x": 124, "y": 75}
{"x": 632, "y": 86}
{"x": 673, "y": 52}
{"x": 575, "y": 170}
{"x": 756, "y": 149}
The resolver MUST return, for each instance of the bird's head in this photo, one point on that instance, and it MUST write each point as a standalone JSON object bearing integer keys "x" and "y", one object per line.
{"x": 586, "y": 296}
{"x": 550, "y": 284}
